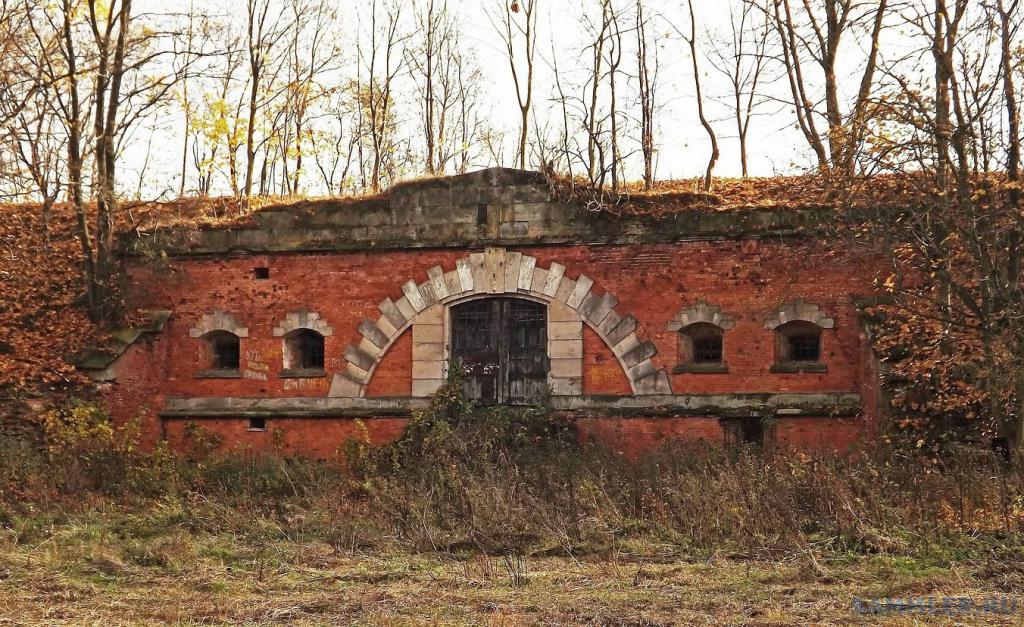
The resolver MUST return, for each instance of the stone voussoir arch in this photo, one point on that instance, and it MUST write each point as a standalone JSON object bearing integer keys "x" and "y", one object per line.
{"x": 302, "y": 319}
{"x": 798, "y": 310}
{"x": 701, "y": 312}
{"x": 497, "y": 271}
{"x": 218, "y": 321}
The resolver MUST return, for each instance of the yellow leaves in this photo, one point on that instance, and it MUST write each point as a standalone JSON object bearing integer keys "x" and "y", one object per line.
{"x": 76, "y": 426}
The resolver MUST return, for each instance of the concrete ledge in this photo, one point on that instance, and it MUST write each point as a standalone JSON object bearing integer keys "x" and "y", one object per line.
{"x": 448, "y": 212}
{"x": 798, "y": 366}
{"x": 701, "y": 368}
{"x": 98, "y": 361}
{"x": 826, "y": 404}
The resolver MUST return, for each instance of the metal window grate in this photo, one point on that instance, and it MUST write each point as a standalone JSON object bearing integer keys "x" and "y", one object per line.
{"x": 226, "y": 352}
{"x": 804, "y": 347}
{"x": 312, "y": 353}
{"x": 707, "y": 349}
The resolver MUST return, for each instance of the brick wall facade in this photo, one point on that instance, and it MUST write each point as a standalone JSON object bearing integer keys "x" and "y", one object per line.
{"x": 377, "y": 281}
{"x": 748, "y": 280}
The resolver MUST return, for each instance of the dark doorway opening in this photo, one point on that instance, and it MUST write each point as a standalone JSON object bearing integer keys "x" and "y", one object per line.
{"x": 754, "y": 432}
{"x": 501, "y": 345}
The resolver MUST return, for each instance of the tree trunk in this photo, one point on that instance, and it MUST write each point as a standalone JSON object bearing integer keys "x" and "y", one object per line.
{"x": 700, "y": 101}
{"x": 1010, "y": 96}
{"x": 74, "y": 126}
{"x": 250, "y": 149}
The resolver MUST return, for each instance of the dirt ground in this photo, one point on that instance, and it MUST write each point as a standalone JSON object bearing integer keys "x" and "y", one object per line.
{"x": 88, "y": 574}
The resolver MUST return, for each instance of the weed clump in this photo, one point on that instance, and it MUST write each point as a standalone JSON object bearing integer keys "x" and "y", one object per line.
{"x": 510, "y": 482}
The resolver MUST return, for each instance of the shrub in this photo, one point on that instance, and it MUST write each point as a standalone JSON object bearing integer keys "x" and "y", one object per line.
{"x": 515, "y": 481}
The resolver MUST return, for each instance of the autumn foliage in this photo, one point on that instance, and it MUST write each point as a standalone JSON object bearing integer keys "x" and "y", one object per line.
{"x": 44, "y": 322}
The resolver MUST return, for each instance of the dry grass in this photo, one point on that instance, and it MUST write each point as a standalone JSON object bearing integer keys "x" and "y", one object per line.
{"x": 490, "y": 517}
{"x": 84, "y": 570}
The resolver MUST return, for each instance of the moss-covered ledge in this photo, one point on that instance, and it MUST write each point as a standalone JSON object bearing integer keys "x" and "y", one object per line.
{"x": 829, "y": 404}
{"x": 493, "y": 207}
{"x": 97, "y": 360}
{"x": 458, "y": 232}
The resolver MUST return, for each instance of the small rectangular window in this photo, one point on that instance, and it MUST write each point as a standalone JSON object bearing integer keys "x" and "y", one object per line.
{"x": 261, "y": 273}
{"x": 805, "y": 348}
{"x": 257, "y": 424}
{"x": 707, "y": 349}
{"x": 752, "y": 431}
{"x": 747, "y": 432}
{"x": 481, "y": 214}
{"x": 227, "y": 356}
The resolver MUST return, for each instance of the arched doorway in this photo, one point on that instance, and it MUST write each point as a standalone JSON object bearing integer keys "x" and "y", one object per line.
{"x": 495, "y": 273}
{"x": 501, "y": 346}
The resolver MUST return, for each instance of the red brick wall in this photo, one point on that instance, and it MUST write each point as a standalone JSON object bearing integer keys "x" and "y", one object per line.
{"x": 748, "y": 279}
{"x": 632, "y": 437}
{"x": 317, "y": 438}
{"x": 602, "y": 372}
{"x": 393, "y": 376}
{"x": 819, "y": 434}
{"x": 137, "y": 393}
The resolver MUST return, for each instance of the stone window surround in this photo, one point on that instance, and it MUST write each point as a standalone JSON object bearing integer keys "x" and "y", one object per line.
{"x": 293, "y": 321}
{"x": 218, "y": 320}
{"x": 700, "y": 312}
{"x": 498, "y": 272}
{"x": 793, "y": 311}
{"x": 798, "y": 311}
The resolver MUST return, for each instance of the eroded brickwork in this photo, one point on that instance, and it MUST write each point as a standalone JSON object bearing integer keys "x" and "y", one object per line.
{"x": 375, "y": 283}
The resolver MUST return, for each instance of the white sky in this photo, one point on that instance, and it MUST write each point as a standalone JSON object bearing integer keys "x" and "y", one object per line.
{"x": 776, "y": 146}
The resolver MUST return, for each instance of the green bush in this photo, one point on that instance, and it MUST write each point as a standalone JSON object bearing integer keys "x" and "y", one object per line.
{"x": 517, "y": 480}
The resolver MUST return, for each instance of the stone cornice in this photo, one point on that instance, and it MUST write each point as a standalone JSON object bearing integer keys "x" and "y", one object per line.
{"x": 494, "y": 207}
{"x": 825, "y": 404}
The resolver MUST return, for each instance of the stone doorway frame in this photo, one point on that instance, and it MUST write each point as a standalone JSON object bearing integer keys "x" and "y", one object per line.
{"x": 496, "y": 271}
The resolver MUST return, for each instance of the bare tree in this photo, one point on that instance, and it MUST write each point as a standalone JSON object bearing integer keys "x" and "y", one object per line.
{"x": 382, "y": 60}
{"x": 468, "y": 79}
{"x": 447, "y": 80}
{"x": 741, "y": 58}
{"x": 110, "y": 30}
{"x": 593, "y": 85}
{"x": 520, "y": 37}
{"x": 691, "y": 40}
{"x": 432, "y": 50}
{"x": 1009, "y": 23}
{"x": 614, "y": 61}
{"x": 30, "y": 139}
{"x": 71, "y": 108}
{"x": 807, "y": 34}
{"x": 310, "y": 54}
{"x": 647, "y": 80}
{"x": 262, "y": 33}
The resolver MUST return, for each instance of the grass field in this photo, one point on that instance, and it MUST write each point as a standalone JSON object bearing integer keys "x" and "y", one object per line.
{"x": 497, "y": 518}
{"x": 114, "y": 567}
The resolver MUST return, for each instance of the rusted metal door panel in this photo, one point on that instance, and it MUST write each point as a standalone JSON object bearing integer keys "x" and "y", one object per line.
{"x": 501, "y": 345}
{"x": 526, "y": 333}
{"x": 475, "y": 347}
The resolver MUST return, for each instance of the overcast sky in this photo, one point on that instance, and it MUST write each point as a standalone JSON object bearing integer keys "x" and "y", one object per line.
{"x": 775, "y": 144}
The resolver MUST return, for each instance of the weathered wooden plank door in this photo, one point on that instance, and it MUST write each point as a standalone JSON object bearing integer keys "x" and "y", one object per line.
{"x": 501, "y": 345}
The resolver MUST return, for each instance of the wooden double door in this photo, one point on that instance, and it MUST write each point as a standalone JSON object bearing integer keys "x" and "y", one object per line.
{"x": 501, "y": 345}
